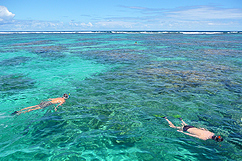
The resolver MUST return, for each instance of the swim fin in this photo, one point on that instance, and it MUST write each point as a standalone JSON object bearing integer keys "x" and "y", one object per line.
{"x": 15, "y": 112}
{"x": 161, "y": 116}
{"x": 176, "y": 116}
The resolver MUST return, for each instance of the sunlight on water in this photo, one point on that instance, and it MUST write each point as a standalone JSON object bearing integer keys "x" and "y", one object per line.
{"x": 118, "y": 83}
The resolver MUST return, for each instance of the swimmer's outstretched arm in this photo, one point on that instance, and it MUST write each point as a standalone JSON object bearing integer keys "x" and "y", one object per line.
{"x": 58, "y": 106}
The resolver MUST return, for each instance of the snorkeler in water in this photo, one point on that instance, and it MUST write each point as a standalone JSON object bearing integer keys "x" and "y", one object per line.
{"x": 42, "y": 105}
{"x": 200, "y": 133}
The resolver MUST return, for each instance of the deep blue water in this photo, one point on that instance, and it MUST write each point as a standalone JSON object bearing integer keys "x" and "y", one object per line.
{"x": 116, "y": 87}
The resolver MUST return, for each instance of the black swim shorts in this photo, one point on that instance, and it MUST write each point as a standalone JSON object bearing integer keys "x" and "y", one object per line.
{"x": 45, "y": 104}
{"x": 186, "y": 127}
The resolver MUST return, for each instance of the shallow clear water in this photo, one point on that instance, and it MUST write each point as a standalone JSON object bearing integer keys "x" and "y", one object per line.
{"x": 116, "y": 88}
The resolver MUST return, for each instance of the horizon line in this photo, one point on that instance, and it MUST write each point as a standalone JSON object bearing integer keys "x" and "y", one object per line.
{"x": 121, "y": 31}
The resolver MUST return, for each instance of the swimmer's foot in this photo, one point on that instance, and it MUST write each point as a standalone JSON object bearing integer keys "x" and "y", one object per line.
{"x": 15, "y": 112}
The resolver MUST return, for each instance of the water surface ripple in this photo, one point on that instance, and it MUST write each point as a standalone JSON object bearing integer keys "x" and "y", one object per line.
{"x": 116, "y": 87}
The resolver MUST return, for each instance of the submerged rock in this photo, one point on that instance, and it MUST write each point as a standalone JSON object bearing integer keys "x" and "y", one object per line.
{"x": 49, "y": 51}
{"x": 32, "y": 43}
{"x": 14, "y": 61}
{"x": 13, "y": 83}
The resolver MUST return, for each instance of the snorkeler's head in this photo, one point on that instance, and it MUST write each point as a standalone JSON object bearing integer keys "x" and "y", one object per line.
{"x": 65, "y": 96}
{"x": 217, "y": 138}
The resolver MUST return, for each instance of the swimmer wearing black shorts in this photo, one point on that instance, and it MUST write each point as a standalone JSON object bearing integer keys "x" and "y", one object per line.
{"x": 186, "y": 127}
{"x": 200, "y": 133}
{"x": 45, "y": 104}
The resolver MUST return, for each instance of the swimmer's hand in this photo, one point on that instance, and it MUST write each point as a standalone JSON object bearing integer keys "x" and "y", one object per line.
{"x": 57, "y": 106}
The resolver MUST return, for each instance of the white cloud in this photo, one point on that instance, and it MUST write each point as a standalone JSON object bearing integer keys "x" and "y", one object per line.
{"x": 115, "y": 24}
{"x": 183, "y": 18}
{"x": 206, "y": 13}
{"x": 5, "y": 15}
{"x": 138, "y": 8}
{"x": 80, "y": 24}
{"x": 31, "y": 25}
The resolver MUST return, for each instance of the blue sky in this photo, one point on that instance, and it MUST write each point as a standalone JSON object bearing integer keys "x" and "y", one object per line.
{"x": 99, "y": 15}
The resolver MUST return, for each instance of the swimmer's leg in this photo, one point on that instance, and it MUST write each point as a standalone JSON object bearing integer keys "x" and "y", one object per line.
{"x": 171, "y": 124}
{"x": 37, "y": 107}
{"x": 22, "y": 110}
{"x": 29, "y": 107}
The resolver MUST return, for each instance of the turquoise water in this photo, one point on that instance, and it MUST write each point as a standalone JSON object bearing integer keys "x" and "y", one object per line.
{"x": 116, "y": 88}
